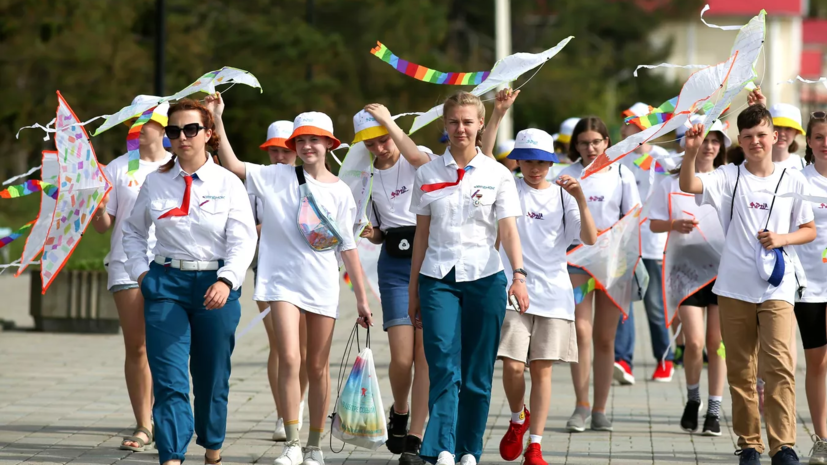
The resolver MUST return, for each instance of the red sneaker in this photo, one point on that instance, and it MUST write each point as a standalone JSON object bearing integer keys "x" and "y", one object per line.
{"x": 664, "y": 372}
{"x": 623, "y": 373}
{"x": 534, "y": 455}
{"x": 511, "y": 445}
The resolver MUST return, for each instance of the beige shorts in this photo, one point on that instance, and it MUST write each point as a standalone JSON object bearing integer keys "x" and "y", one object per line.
{"x": 527, "y": 338}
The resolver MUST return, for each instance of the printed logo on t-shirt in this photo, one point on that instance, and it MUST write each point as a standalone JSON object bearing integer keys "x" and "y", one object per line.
{"x": 398, "y": 192}
{"x": 214, "y": 197}
{"x": 596, "y": 198}
{"x": 759, "y": 205}
{"x": 823, "y": 205}
{"x": 534, "y": 216}
{"x": 484, "y": 187}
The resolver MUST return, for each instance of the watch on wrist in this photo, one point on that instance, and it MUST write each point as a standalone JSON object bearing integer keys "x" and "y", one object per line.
{"x": 227, "y": 282}
{"x": 521, "y": 271}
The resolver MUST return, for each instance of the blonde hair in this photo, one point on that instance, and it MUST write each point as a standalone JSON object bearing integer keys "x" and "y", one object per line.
{"x": 461, "y": 99}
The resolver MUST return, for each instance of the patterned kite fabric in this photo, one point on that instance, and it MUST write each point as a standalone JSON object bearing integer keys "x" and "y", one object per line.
{"x": 4, "y": 241}
{"x": 645, "y": 162}
{"x": 426, "y": 74}
{"x": 29, "y": 187}
{"x": 580, "y": 292}
{"x": 133, "y": 145}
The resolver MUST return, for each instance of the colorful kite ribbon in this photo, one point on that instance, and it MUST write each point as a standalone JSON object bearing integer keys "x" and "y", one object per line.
{"x": 29, "y": 187}
{"x": 4, "y": 241}
{"x": 426, "y": 74}
{"x": 580, "y": 292}
{"x": 646, "y": 161}
{"x": 133, "y": 145}
{"x": 824, "y": 256}
{"x": 347, "y": 280}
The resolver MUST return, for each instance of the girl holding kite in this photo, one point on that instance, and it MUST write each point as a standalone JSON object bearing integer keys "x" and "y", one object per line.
{"x": 691, "y": 310}
{"x": 205, "y": 243}
{"x": 610, "y": 193}
{"x": 127, "y": 176}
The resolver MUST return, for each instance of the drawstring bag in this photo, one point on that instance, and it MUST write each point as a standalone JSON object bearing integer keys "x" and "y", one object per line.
{"x": 316, "y": 227}
{"x": 358, "y": 416}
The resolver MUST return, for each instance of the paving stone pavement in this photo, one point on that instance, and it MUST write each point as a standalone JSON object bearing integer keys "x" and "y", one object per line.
{"x": 63, "y": 400}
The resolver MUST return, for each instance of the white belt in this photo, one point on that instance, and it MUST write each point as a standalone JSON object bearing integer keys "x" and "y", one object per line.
{"x": 187, "y": 265}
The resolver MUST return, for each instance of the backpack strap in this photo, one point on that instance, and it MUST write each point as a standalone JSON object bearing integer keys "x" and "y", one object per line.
{"x": 563, "y": 205}
{"x": 300, "y": 175}
{"x": 375, "y": 213}
{"x": 772, "y": 204}
{"x": 732, "y": 204}
{"x": 620, "y": 183}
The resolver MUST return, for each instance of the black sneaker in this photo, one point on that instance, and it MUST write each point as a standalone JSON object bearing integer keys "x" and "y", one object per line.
{"x": 748, "y": 456}
{"x": 411, "y": 454}
{"x": 397, "y": 431}
{"x": 786, "y": 456}
{"x": 689, "y": 420}
{"x": 712, "y": 426}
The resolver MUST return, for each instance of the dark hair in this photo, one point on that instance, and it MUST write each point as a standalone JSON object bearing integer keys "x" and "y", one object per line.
{"x": 753, "y": 116}
{"x": 719, "y": 160}
{"x": 735, "y": 155}
{"x": 206, "y": 119}
{"x": 809, "y": 157}
{"x": 793, "y": 147}
{"x": 589, "y": 123}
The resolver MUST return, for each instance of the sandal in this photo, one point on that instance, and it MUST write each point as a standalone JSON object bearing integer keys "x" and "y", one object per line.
{"x": 207, "y": 460}
{"x": 137, "y": 439}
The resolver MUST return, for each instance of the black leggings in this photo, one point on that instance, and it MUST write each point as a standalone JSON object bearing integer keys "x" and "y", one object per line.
{"x": 812, "y": 323}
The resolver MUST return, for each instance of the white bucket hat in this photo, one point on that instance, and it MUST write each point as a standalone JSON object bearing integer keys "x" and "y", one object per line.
{"x": 312, "y": 123}
{"x": 566, "y": 130}
{"x": 534, "y": 144}
{"x": 787, "y": 116}
{"x": 716, "y": 126}
{"x": 277, "y": 134}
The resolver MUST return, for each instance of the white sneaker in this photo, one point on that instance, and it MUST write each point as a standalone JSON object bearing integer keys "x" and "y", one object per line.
{"x": 468, "y": 459}
{"x": 445, "y": 458}
{"x": 291, "y": 455}
{"x": 280, "y": 434}
{"x": 818, "y": 454}
{"x": 313, "y": 456}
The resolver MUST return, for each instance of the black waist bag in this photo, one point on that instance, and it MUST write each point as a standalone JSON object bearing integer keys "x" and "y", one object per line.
{"x": 399, "y": 241}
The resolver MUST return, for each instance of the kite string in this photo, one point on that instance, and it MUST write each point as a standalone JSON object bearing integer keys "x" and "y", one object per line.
{"x": 48, "y": 129}
{"x": 523, "y": 84}
{"x": 27, "y": 173}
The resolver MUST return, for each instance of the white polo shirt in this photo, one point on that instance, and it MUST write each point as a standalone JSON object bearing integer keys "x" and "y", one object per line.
{"x": 464, "y": 217}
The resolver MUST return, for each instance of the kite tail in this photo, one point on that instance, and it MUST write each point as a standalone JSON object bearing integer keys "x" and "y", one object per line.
{"x": 4, "y": 241}
{"x": 722, "y": 351}
{"x": 422, "y": 73}
{"x": 346, "y": 277}
{"x": 580, "y": 292}
{"x": 133, "y": 145}
{"x": 29, "y": 187}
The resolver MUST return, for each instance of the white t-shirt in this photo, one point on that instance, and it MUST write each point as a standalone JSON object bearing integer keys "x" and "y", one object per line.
{"x": 391, "y": 197}
{"x": 812, "y": 255}
{"x": 544, "y": 240}
{"x": 121, "y": 200}
{"x": 738, "y": 276}
{"x": 610, "y": 194}
{"x": 288, "y": 269}
{"x": 795, "y": 162}
{"x": 651, "y": 244}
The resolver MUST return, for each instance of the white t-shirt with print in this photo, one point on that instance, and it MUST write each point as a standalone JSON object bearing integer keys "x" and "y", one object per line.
{"x": 288, "y": 269}
{"x": 794, "y": 162}
{"x": 813, "y": 255}
{"x": 544, "y": 240}
{"x": 738, "y": 276}
{"x": 121, "y": 200}
{"x": 391, "y": 196}
{"x": 610, "y": 194}
{"x": 651, "y": 244}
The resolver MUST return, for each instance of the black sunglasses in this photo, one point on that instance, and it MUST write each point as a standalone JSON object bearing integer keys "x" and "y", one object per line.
{"x": 190, "y": 130}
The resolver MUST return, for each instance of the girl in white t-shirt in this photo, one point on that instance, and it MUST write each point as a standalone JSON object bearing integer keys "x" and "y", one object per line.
{"x": 115, "y": 208}
{"x": 392, "y": 225}
{"x": 278, "y": 153}
{"x": 610, "y": 193}
{"x": 811, "y": 307}
{"x": 691, "y": 310}
{"x": 286, "y": 250}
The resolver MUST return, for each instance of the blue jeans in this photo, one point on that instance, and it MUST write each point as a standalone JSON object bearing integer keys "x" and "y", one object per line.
{"x": 461, "y": 328}
{"x": 653, "y": 303}
{"x": 182, "y": 334}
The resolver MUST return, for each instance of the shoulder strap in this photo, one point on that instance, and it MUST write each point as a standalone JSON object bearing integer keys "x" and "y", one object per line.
{"x": 732, "y": 205}
{"x": 300, "y": 175}
{"x": 375, "y": 213}
{"x": 772, "y": 204}
{"x": 563, "y": 205}
{"x": 620, "y": 183}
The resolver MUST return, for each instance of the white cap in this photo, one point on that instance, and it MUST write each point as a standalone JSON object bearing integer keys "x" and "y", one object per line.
{"x": 313, "y": 123}
{"x": 504, "y": 148}
{"x": 716, "y": 126}
{"x": 786, "y": 116}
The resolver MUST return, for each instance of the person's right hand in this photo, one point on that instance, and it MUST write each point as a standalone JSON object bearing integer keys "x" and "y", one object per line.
{"x": 684, "y": 226}
{"x": 414, "y": 311}
{"x": 367, "y": 232}
{"x": 694, "y": 138}
{"x": 141, "y": 278}
{"x": 215, "y": 104}
{"x": 756, "y": 97}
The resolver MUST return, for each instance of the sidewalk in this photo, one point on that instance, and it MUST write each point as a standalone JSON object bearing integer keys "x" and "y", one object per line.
{"x": 63, "y": 400}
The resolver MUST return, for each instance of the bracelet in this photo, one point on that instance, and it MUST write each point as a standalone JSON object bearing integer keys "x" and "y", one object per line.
{"x": 227, "y": 282}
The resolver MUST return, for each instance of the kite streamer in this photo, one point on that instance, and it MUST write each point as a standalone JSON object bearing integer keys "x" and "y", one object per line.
{"x": 824, "y": 256}
{"x": 27, "y": 173}
{"x": 644, "y": 162}
{"x": 4, "y": 241}
{"x": 580, "y": 292}
{"x": 29, "y": 187}
{"x": 424, "y": 74}
{"x": 668, "y": 65}
{"x": 822, "y": 80}
{"x": 346, "y": 278}
{"x": 133, "y": 144}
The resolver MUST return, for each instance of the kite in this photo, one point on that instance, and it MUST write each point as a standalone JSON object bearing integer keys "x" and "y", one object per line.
{"x": 133, "y": 145}
{"x": 580, "y": 292}
{"x": 612, "y": 260}
{"x": 82, "y": 185}
{"x": 29, "y": 187}
{"x": 37, "y": 236}
{"x": 357, "y": 173}
{"x": 690, "y": 261}
{"x": 645, "y": 162}
{"x": 422, "y": 73}
{"x": 4, "y": 241}
{"x": 506, "y": 70}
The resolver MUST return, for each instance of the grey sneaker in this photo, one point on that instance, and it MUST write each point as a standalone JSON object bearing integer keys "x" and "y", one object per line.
{"x": 600, "y": 422}
{"x": 578, "y": 419}
{"x": 818, "y": 454}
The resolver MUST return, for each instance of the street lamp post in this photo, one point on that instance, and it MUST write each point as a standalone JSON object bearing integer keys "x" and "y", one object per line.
{"x": 160, "y": 40}
{"x": 502, "y": 12}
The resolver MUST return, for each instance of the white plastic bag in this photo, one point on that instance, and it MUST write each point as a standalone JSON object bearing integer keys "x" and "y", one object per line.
{"x": 359, "y": 418}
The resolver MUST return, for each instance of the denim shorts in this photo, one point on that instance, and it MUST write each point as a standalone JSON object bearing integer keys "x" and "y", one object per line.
{"x": 574, "y": 269}
{"x": 123, "y": 287}
{"x": 394, "y": 276}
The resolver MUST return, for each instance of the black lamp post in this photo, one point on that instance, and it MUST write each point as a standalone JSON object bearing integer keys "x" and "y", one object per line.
{"x": 160, "y": 41}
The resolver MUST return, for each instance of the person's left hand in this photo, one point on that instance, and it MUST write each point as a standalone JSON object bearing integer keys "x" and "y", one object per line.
{"x": 216, "y": 296}
{"x": 505, "y": 98}
{"x": 519, "y": 290}
{"x": 770, "y": 240}
{"x": 367, "y": 232}
{"x": 215, "y": 104}
{"x": 365, "y": 318}
{"x": 570, "y": 185}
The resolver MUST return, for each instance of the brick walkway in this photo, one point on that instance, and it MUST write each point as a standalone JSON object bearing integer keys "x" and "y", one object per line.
{"x": 63, "y": 400}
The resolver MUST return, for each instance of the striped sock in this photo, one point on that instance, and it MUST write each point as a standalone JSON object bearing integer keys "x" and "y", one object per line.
{"x": 693, "y": 392}
{"x": 315, "y": 437}
{"x": 714, "y": 406}
{"x": 291, "y": 429}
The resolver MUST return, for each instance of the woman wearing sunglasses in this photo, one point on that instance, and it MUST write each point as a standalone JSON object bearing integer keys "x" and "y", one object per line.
{"x": 205, "y": 242}
{"x": 115, "y": 208}
{"x": 279, "y": 154}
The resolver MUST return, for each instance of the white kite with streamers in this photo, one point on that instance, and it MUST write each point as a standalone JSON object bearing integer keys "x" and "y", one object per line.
{"x": 37, "y": 236}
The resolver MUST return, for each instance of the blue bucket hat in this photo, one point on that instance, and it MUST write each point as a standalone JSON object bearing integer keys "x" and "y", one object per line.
{"x": 770, "y": 263}
{"x": 534, "y": 144}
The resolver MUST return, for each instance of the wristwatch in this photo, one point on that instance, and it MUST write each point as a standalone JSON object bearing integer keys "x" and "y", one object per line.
{"x": 521, "y": 271}
{"x": 227, "y": 282}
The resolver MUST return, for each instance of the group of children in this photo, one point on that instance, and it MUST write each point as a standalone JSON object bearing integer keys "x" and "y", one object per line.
{"x": 472, "y": 269}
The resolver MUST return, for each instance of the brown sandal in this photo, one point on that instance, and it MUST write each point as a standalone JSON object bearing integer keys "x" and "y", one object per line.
{"x": 136, "y": 439}
{"x": 207, "y": 460}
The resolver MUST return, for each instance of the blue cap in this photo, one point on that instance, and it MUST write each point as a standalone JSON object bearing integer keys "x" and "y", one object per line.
{"x": 167, "y": 143}
{"x": 770, "y": 264}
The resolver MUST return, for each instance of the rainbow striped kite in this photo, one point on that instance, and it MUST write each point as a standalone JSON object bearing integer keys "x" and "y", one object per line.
{"x": 645, "y": 161}
{"x": 4, "y": 241}
{"x": 426, "y": 74}
{"x": 133, "y": 144}
{"x": 29, "y": 187}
